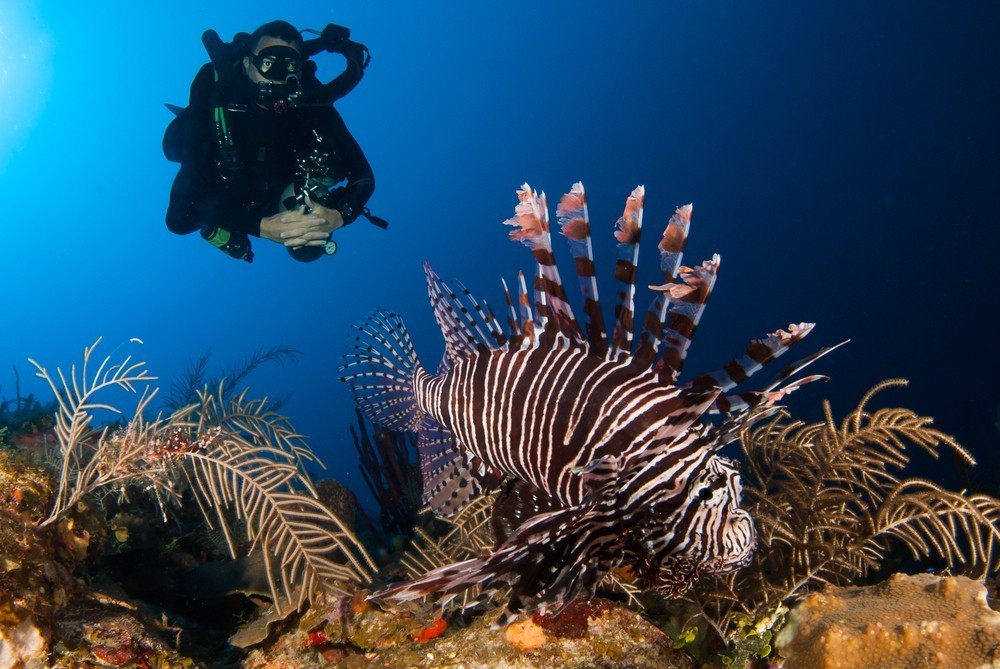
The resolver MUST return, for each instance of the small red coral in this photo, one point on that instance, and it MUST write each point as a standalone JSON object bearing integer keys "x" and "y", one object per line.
{"x": 432, "y": 632}
{"x": 572, "y": 622}
{"x": 118, "y": 656}
{"x": 317, "y": 638}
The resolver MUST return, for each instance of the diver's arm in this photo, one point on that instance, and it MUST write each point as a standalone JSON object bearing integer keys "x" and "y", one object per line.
{"x": 198, "y": 203}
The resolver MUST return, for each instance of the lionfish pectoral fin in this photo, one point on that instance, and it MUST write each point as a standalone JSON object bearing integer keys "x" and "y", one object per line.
{"x": 517, "y": 502}
{"x": 452, "y": 477}
{"x": 551, "y": 560}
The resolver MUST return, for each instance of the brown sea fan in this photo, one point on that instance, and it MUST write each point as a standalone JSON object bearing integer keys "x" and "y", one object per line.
{"x": 831, "y": 506}
{"x": 241, "y": 462}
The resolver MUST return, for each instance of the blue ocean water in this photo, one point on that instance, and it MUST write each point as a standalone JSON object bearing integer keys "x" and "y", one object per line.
{"x": 841, "y": 157}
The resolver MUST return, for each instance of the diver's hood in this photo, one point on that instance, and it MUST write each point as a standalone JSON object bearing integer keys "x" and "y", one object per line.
{"x": 227, "y": 59}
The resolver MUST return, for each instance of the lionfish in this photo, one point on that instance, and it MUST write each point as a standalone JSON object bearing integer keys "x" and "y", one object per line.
{"x": 604, "y": 460}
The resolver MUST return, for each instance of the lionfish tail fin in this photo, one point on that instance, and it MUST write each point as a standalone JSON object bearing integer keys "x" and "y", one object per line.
{"x": 628, "y": 232}
{"x": 382, "y": 369}
{"x": 531, "y": 226}
{"x": 451, "y": 475}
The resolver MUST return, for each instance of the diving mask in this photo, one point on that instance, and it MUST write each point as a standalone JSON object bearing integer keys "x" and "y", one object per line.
{"x": 277, "y": 63}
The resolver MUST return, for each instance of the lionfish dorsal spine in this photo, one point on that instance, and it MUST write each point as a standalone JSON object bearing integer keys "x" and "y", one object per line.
{"x": 758, "y": 353}
{"x": 574, "y": 223}
{"x": 465, "y": 324}
{"x": 512, "y": 321}
{"x": 480, "y": 318}
{"x": 777, "y": 389}
{"x": 530, "y": 336}
{"x": 628, "y": 231}
{"x": 688, "y": 298}
{"x": 798, "y": 365}
{"x": 531, "y": 223}
{"x": 671, "y": 248}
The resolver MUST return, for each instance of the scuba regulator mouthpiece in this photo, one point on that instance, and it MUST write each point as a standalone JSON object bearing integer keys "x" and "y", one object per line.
{"x": 279, "y": 96}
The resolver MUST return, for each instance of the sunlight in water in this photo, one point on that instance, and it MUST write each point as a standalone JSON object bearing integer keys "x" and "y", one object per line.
{"x": 25, "y": 71}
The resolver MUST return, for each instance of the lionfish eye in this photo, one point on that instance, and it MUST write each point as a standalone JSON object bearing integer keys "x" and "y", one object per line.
{"x": 705, "y": 493}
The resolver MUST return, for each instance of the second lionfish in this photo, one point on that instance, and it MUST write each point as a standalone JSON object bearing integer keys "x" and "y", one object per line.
{"x": 603, "y": 458}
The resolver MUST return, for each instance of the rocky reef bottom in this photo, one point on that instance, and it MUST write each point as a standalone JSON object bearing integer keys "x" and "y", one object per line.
{"x": 59, "y": 609}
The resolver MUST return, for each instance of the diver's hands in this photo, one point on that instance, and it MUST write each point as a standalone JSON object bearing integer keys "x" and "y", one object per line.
{"x": 333, "y": 218}
{"x": 296, "y": 228}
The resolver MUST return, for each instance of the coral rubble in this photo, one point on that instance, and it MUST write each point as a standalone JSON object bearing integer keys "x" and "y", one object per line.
{"x": 907, "y": 621}
{"x": 352, "y": 633}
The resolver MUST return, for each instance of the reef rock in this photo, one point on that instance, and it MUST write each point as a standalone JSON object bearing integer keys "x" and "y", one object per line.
{"x": 22, "y": 645}
{"x": 352, "y": 633}
{"x": 35, "y": 563}
{"x": 923, "y": 620}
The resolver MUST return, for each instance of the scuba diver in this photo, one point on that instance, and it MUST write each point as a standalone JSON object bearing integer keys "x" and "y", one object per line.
{"x": 263, "y": 152}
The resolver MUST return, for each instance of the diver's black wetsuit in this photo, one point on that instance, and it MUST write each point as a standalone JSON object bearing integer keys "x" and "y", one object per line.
{"x": 266, "y": 145}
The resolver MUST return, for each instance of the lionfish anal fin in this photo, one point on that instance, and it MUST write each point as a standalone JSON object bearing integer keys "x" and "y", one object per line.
{"x": 518, "y": 501}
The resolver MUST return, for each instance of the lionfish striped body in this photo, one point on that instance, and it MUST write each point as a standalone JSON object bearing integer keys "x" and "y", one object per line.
{"x": 604, "y": 459}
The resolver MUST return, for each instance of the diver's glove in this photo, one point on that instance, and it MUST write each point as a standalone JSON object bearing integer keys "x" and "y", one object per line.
{"x": 235, "y": 245}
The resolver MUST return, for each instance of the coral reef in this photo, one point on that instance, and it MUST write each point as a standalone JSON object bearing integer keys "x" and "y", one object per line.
{"x": 339, "y": 499}
{"x": 242, "y": 463}
{"x": 830, "y": 509}
{"x": 36, "y": 564}
{"x": 98, "y": 632}
{"x": 907, "y": 621}
{"x": 828, "y": 499}
{"x": 48, "y": 617}
{"x": 350, "y": 633}
{"x": 25, "y": 414}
